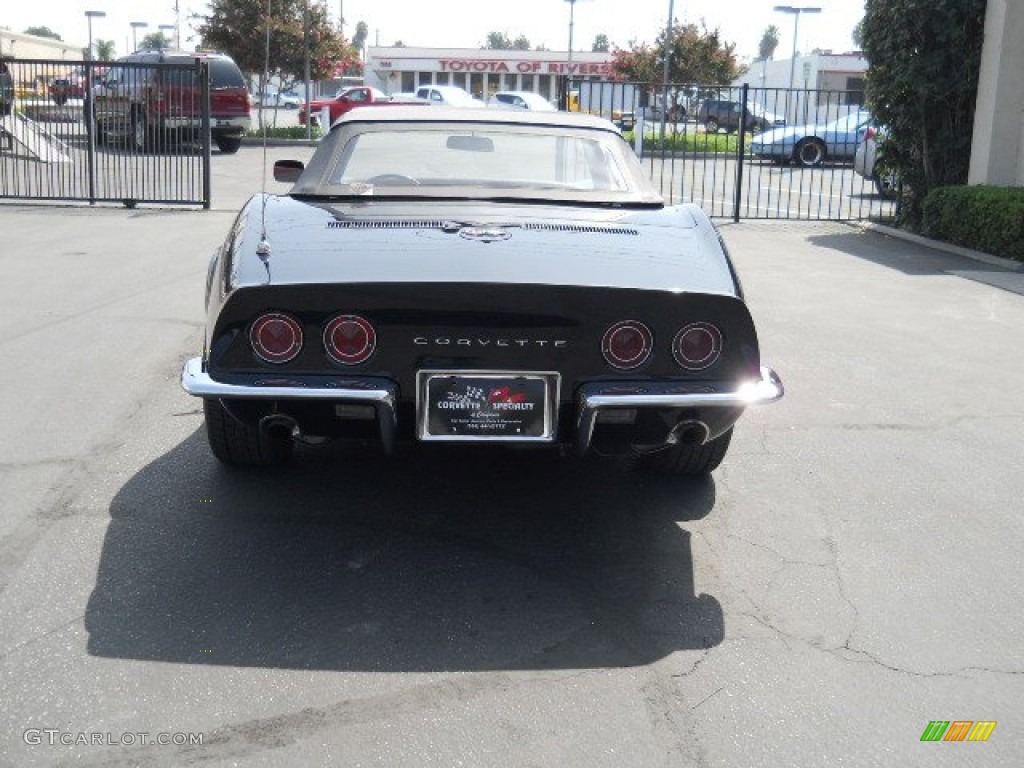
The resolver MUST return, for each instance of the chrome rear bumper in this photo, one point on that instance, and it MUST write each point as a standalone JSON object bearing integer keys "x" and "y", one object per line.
{"x": 591, "y": 398}
{"x": 594, "y": 398}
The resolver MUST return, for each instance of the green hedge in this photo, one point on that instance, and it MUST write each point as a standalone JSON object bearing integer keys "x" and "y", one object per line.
{"x": 989, "y": 219}
{"x": 290, "y": 132}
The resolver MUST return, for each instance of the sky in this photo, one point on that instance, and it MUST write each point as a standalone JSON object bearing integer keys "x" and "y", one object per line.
{"x": 466, "y": 23}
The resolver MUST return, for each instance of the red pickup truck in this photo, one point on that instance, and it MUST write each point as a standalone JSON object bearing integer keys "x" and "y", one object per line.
{"x": 346, "y": 99}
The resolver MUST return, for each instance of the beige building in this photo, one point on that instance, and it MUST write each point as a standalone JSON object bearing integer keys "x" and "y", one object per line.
{"x": 19, "y": 46}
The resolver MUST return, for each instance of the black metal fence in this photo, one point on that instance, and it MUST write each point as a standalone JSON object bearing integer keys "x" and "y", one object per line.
{"x": 86, "y": 131}
{"x": 794, "y": 158}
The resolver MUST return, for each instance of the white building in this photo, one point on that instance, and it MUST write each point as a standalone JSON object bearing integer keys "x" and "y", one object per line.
{"x": 480, "y": 71}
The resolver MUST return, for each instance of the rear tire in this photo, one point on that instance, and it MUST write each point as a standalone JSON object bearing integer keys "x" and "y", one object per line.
{"x": 887, "y": 185}
{"x": 238, "y": 445}
{"x": 140, "y": 132}
{"x": 228, "y": 145}
{"x": 711, "y": 126}
{"x": 810, "y": 153}
{"x": 691, "y": 459}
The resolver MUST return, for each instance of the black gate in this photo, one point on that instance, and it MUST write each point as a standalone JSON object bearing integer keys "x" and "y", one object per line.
{"x": 86, "y": 131}
{"x": 792, "y": 160}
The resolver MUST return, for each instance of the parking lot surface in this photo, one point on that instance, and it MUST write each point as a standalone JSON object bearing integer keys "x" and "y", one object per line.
{"x": 850, "y": 574}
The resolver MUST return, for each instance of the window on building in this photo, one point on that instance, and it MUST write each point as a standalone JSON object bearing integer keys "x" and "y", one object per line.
{"x": 408, "y": 81}
{"x": 442, "y": 78}
{"x": 476, "y": 85}
{"x": 459, "y": 79}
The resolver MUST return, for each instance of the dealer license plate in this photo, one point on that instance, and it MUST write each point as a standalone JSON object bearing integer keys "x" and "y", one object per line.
{"x": 510, "y": 407}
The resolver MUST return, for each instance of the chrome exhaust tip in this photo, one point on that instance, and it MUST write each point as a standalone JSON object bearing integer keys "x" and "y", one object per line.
{"x": 689, "y": 432}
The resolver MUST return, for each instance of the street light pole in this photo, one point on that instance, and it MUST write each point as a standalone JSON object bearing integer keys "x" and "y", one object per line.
{"x": 89, "y": 16}
{"x": 572, "y": 14}
{"x": 136, "y": 26}
{"x": 795, "y": 11}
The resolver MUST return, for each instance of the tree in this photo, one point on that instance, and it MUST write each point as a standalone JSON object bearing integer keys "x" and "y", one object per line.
{"x": 359, "y": 38}
{"x": 498, "y": 41}
{"x": 601, "y": 44}
{"x": 696, "y": 55}
{"x": 105, "y": 50}
{"x": 43, "y": 32}
{"x": 521, "y": 43}
{"x": 769, "y": 42}
{"x": 155, "y": 41}
{"x": 239, "y": 28}
{"x": 922, "y": 84}
{"x": 858, "y": 34}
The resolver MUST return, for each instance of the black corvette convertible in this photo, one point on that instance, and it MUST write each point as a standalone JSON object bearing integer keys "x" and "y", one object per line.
{"x": 475, "y": 276}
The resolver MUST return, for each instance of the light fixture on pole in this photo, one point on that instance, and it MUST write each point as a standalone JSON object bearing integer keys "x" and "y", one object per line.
{"x": 795, "y": 10}
{"x": 168, "y": 28}
{"x": 136, "y": 26}
{"x": 89, "y": 16}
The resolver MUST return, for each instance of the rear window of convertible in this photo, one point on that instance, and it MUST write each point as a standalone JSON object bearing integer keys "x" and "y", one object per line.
{"x": 525, "y": 159}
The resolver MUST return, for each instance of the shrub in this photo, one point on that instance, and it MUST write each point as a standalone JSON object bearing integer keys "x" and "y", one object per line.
{"x": 291, "y": 132}
{"x": 989, "y": 219}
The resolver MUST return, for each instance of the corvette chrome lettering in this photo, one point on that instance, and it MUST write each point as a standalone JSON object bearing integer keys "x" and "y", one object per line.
{"x": 448, "y": 341}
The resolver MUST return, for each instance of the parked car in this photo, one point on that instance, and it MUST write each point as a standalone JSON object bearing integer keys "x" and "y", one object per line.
{"x": 6, "y": 90}
{"x": 812, "y": 145}
{"x": 407, "y": 97}
{"x": 448, "y": 95}
{"x": 865, "y": 163}
{"x": 676, "y": 112}
{"x": 70, "y": 85}
{"x": 716, "y": 115}
{"x": 522, "y": 100}
{"x": 278, "y": 99}
{"x": 151, "y": 98}
{"x": 494, "y": 277}
{"x": 341, "y": 102}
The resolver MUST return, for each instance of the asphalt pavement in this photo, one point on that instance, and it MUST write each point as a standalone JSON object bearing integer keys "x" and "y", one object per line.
{"x": 850, "y": 574}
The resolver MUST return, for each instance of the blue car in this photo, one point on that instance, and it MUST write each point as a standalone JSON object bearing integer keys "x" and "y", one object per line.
{"x": 812, "y": 145}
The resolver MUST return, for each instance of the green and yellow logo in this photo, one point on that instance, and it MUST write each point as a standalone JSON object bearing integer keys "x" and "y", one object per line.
{"x": 958, "y": 730}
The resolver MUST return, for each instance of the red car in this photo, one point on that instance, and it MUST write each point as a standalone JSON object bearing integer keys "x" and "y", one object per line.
{"x": 343, "y": 101}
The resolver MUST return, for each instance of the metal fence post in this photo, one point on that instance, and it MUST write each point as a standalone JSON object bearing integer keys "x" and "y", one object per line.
{"x": 203, "y": 72}
{"x": 741, "y": 146}
{"x": 89, "y": 110}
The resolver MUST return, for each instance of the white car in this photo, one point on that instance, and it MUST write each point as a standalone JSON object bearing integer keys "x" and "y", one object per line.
{"x": 407, "y": 97}
{"x": 448, "y": 95}
{"x": 522, "y": 100}
{"x": 865, "y": 164}
{"x": 277, "y": 99}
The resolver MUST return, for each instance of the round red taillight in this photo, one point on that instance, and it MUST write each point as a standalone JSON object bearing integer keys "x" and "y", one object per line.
{"x": 350, "y": 339}
{"x": 697, "y": 346}
{"x": 627, "y": 344}
{"x": 276, "y": 337}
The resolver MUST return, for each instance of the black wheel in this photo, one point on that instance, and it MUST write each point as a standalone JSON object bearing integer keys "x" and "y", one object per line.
{"x": 809, "y": 153}
{"x": 99, "y": 134}
{"x": 60, "y": 99}
{"x": 140, "y": 132}
{"x": 691, "y": 459}
{"x": 677, "y": 114}
{"x": 711, "y": 126}
{"x": 238, "y": 445}
{"x": 886, "y": 184}
{"x": 229, "y": 144}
